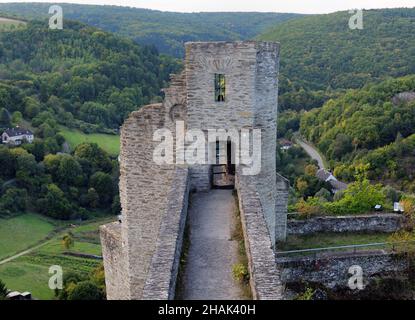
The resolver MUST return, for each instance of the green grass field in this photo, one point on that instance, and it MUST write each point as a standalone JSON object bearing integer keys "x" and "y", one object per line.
{"x": 19, "y": 275}
{"x": 31, "y": 271}
{"x": 21, "y": 232}
{"x": 108, "y": 142}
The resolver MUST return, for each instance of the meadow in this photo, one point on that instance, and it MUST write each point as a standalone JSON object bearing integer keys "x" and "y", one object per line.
{"x": 110, "y": 143}
{"x": 30, "y": 272}
{"x": 22, "y": 232}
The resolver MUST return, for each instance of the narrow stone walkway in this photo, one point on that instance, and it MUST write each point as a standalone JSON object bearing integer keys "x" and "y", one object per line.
{"x": 212, "y": 253}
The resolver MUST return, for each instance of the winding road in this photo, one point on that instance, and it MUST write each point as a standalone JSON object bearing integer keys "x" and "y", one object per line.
{"x": 312, "y": 152}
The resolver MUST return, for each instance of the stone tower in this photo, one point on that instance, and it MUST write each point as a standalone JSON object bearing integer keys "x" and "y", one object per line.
{"x": 251, "y": 73}
{"x": 223, "y": 86}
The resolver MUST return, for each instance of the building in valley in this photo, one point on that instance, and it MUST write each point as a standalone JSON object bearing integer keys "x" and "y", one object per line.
{"x": 16, "y": 136}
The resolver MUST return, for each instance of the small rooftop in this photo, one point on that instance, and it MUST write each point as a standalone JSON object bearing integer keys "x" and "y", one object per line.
{"x": 285, "y": 142}
{"x": 338, "y": 185}
{"x": 323, "y": 174}
{"x": 17, "y": 131}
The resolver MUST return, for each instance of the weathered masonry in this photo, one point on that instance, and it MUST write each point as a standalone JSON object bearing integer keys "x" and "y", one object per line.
{"x": 368, "y": 223}
{"x": 223, "y": 86}
{"x": 332, "y": 270}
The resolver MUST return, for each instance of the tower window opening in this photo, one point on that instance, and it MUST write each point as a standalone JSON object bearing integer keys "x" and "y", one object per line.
{"x": 220, "y": 87}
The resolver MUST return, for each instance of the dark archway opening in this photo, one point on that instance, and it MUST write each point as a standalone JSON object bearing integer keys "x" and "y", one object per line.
{"x": 224, "y": 172}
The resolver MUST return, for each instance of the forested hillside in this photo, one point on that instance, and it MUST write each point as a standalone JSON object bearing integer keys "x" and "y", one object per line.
{"x": 166, "y": 30}
{"x": 372, "y": 126}
{"x": 320, "y": 54}
{"x": 79, "y": 76}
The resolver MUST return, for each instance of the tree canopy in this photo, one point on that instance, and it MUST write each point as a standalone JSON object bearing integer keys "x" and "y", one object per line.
{"x": 367, "y": 126}
{"x": 321, "y": 54}
{"x": 166, "y": 30}
{"x": 79, "y": 77}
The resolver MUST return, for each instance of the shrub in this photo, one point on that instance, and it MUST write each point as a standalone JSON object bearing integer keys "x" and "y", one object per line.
{"x": 392, "y": 194}
{"x": 116, "y": 205}
{"x": 403, "y": 241}
{"x": 13, "y": 201}
{"x": 359, "y": 197}
{"x": 3, "y": 290}
{"x": 240, "y": 272}
{"x": 308, "y": 294}
{"x": 324, "y": 194}
{"x": 55, "y": 204}
{"x": 98, "y": 277}
{"x": 408, "y": 204}
{"x": 312, "y": 206}
{"x": 68, "y": 241}
{"x": 311, "y": 170}
{"x": 85, "y": 290}
{"x": 103, "y": 185}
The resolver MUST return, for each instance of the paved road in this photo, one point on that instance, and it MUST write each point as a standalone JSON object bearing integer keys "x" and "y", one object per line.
{"x": 208, "y": 273}
{"x": 312, "y": 152}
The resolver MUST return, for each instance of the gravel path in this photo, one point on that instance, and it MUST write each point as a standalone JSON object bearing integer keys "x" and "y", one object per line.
{"x": 208, "y": 273}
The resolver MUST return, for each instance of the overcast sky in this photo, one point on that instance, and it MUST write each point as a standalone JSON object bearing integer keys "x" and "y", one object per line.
{"x": 298, "y": 6}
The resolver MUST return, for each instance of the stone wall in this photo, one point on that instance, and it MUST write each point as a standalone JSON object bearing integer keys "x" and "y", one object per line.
{"x": 281, "y": 207}
{"x": 333, "y": 270}
{"x": 161, "y": 281}
{"x": 237, "y": 61}
{"x": 145, "y": 196}
{"x": 144, "y": 190}
{"x": 114, "y": 263}
{"x": 265, "y": 117}
{"x": 356, "y": 223}
{"x": 265, "y": 278}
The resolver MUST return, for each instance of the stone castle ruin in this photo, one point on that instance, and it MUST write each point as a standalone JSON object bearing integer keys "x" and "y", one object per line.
{"x": 223, "y": 86}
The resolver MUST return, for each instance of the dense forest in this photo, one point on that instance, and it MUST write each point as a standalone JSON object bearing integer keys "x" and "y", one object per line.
{"x": 340, "y": 88}
{"x": 80, "y": 76}
{"x": 166, "y": 30}
{"x": 320, "y": 54}
{"x": 374, "y": 125}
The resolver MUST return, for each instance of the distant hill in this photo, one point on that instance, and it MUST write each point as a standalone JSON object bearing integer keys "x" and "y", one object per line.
{"x": 64, "y": 85}
{"x": 80, "y": 76}
{"x": 320, "y": 53}
{"x": 166, "y": 30}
